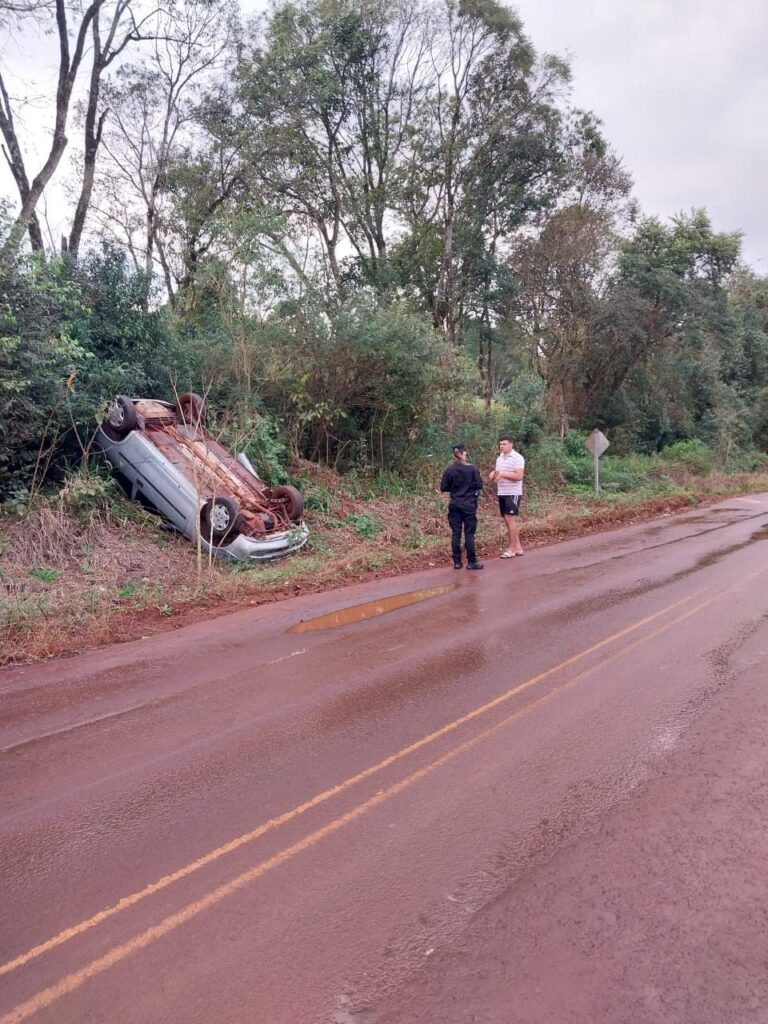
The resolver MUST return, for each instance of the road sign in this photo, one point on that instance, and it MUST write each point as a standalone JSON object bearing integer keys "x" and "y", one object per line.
{"x": 597, "y": 442}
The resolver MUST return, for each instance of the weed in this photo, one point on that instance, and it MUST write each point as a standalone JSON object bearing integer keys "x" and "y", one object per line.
{"x": 95, "y": 599}
{"x": 127, "y": 590}
{"x": 17, "y": 502}
{"x": 364, "y": 525}
{"x": 319, "y": 545}
{"x": 86, "y": 491}
{"x": 45, "y": 575}
{"x": 141, "y": 598}
{"x": 24, "y": 611}
{"x": 318, "y": 500}
{"x": 415, "y": 538}
{"x": 164, "y": 609}
{"x": 294, "y": 536}
{"x": 280, "y": 572}
{"x": 389, "y": 485}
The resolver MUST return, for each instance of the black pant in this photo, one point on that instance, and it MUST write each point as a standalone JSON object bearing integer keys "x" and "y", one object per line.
{"x": 458, "y": 517}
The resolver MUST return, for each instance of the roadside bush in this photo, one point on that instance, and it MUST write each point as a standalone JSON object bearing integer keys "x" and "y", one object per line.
{"x": 751, "y": 461}
{"x": 259, "y": 437}
{"x": 41, "y": 356}
{"x": 92, "y": 489}
{"x": 619, "y": 475}
{"x": 520, "y": 410}
{"x": 71, "y": 336}
{"x": 317, "y": 498}
{"x": 358, "y": 388}
{"x": 555, "y": 462}
{"x": 693, "y": 454}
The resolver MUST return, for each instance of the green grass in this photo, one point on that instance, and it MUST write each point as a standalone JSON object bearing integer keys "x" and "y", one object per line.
{"x": 45, "y": 575}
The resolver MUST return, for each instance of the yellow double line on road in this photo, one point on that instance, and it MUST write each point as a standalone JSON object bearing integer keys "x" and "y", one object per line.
{"x": 74, "y": 980}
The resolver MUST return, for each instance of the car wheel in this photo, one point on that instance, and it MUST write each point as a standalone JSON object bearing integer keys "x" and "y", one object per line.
{"x": 121, "y": 416}
{"x": 294, "y": 503}
{"x": 191, "y": 408}
{"x": 219, "y": 518}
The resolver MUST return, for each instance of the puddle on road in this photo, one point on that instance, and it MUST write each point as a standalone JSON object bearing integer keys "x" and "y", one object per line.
{"x": 370, "y": 610}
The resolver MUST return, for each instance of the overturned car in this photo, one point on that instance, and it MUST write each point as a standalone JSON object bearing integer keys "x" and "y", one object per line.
{"x": 165, "y": 458}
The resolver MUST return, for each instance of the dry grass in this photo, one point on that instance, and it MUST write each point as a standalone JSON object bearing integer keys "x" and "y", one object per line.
{"x": 71, "y": 580}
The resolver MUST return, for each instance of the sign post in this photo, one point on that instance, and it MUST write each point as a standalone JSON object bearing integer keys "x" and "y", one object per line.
{"x": 597, "y": 442}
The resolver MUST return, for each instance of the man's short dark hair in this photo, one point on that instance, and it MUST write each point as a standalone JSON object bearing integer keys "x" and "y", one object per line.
{"x": 506, "y": 437}
{"x": 459, "y": 448}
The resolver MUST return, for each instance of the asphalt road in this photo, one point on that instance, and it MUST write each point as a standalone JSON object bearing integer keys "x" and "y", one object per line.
{"x": 530, "y": 795}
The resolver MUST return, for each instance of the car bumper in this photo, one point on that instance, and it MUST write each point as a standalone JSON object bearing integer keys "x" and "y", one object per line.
{"x": 262, "y": 550}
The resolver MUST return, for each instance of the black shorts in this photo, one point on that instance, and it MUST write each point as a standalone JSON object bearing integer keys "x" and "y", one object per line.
{"x": 509, "y": 504}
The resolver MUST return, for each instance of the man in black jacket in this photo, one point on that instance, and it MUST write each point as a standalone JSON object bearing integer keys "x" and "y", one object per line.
{"x": 462, "y": 481}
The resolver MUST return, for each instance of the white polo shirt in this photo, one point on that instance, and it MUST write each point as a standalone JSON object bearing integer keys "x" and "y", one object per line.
{"x": 509, "y": 463}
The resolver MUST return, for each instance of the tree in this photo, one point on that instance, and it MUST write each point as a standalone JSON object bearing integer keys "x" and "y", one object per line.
{"x": 104, "y": 53}
{"x": 153, "y": 113}
{"x": 666, "y": 317}
{"x": 562, "y": 272}
{"x": 328, "y": 103}
{"x": 359, "y": 385}
{"x": 30, "y": 192}
{"x": 488, "y": 146}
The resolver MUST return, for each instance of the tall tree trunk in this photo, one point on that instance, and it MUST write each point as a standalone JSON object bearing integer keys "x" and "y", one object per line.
{"x": 15, "y": 162}
{"x": 444, "y": 304}
{"x": 68, "y": 68}
{"x": 94, "y": 126}
{"x": 485, "y": 360}
{"x": 93, "y": 130}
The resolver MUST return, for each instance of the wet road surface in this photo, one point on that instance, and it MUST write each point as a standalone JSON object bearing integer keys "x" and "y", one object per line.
{"x": 532, "y": 794}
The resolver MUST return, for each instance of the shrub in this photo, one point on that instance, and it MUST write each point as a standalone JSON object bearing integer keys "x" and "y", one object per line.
{"x": 692, "y": 453}
{"x": 554, "y": 463}
{"x": 259, "y": 437}
{"x": 71, "y": 336}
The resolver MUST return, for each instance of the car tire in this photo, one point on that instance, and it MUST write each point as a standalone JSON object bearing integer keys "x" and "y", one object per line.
{"x": 294, "y": 503}
{"x": 121, "y": 416}
{"x": 219, "y": 519}
{"x": 191, "y": 408}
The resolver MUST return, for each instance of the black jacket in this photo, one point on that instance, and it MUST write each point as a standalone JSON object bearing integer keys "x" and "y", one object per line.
{"x": 462, "y": 481}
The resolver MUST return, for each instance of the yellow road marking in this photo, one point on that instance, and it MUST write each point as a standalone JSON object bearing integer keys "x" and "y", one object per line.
{"x": 320, "y": 798}
{"x": 76, "y": 979}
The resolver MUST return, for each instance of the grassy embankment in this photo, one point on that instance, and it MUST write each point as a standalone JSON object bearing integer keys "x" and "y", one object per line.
{"x": 87, "y": 567}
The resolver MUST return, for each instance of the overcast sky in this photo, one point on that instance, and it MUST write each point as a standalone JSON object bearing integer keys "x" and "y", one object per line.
{"x": 681, "y": 86}
{"x": 682, "y": 89}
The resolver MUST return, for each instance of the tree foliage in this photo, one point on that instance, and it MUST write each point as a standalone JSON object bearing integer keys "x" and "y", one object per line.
{"x": 360, "y": 227}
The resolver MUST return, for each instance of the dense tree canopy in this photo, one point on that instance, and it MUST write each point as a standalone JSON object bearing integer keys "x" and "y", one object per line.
{"x": 359, "y": 226}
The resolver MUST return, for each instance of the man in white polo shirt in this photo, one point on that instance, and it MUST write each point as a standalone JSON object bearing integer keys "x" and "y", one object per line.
{"x": 508, "y": 477}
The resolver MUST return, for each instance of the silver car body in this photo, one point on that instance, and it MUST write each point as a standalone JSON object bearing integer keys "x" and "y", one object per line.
{"x": 151, "y": 476}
